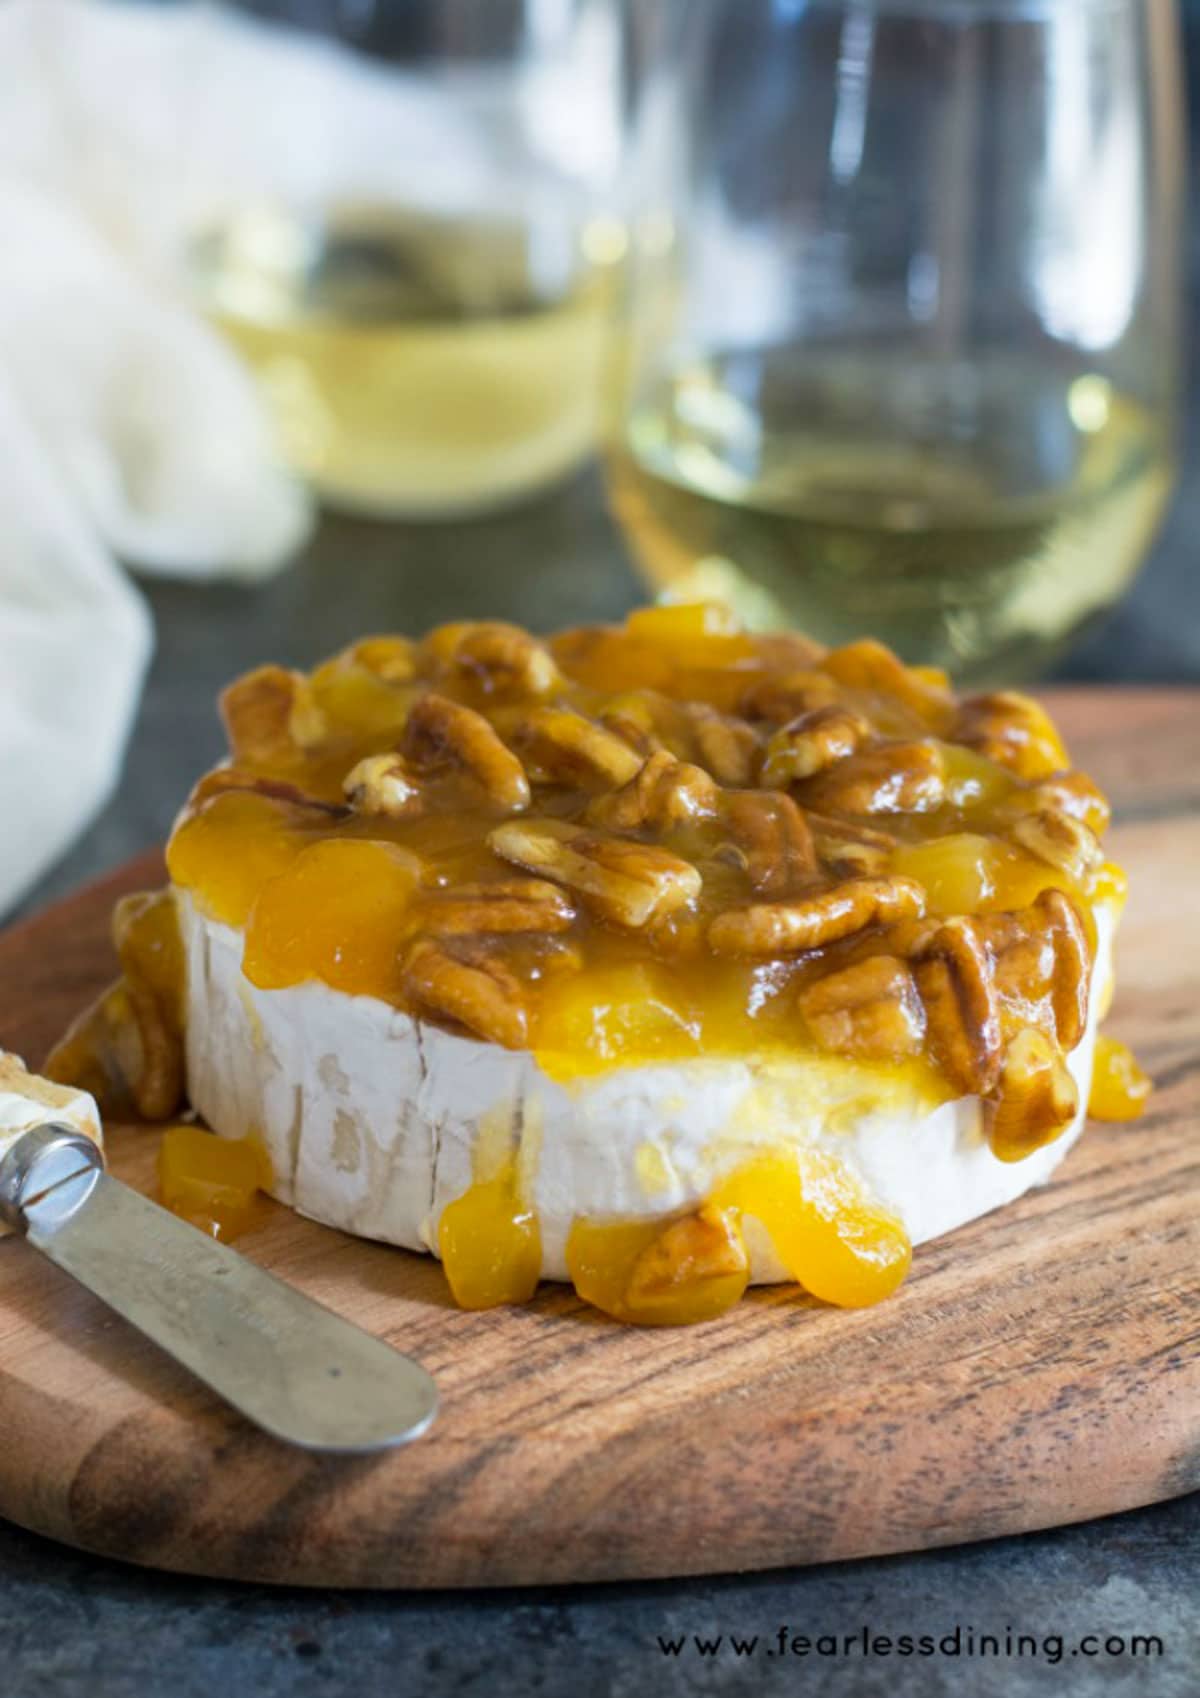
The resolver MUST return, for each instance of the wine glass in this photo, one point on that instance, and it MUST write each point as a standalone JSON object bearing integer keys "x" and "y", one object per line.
{"x": 401, "y": 214}
{"x": 902, "y": 346}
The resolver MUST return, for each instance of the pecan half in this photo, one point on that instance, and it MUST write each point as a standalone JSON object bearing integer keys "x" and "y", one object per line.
{"x": 1070, "y": 793}
{"x": 677, "y": 936}
{"x": 783, "y": 928}
{"x": 1042, "y": 965}
{"x": 811, "y": 742}
{"x": 382, "y": 784}
{"x": 1023, "y": 955}
{"x": 483, "y": 910}
{"x": 564, "y": 747}
{"x": 1059, "y": 840}
{"x": 700, "y": 1247}
{"x": 631, "y": 730}
{"x": 630, "y": 883}
{"x": 158, "y": 1076}
{"x": 1035, "y": 1099}
{"x": 910, "y": 938}
{"x": 1013, "y": 730}
{"x": 893, "y": 778}
{"x": 665, "y": 792}
{"x": 127, "y": 1047}
{"x": 781, "y": 696}
{"x": 848, "y": 848}
{"x": 954, "y": 977}
{"x": 470, "y": 987}
{"x": 726, "y": 745}
{"x": 636, "y": 717}
{"x": 1072, "y": 965}
{"x": 441, "y": 733}
{"x": 120, "y": 1051}
{"x": 870, "y": 1009}
{"x": 871, "y": 666}
{"x": 270, "y": 715}
{"x": 776, "y": 844}
{"x": 501, "y": 660}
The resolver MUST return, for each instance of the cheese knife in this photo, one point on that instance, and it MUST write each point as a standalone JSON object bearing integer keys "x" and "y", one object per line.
{"x": 293, "y": 1367}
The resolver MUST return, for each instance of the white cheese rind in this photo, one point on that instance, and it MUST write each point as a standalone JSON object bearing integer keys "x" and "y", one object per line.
{"x": 374, "y": 1122}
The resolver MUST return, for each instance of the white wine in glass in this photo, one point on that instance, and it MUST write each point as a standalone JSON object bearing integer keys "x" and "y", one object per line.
{"x": 405, "y": 215}
{"x": 913, "y": 380}
{"x": 417, "y": 363}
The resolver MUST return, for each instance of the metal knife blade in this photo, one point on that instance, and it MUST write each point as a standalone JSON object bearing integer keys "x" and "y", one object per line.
{"x": 287, "y": 1363}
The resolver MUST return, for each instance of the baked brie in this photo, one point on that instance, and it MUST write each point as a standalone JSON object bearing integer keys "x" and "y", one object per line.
{"x": 663, "y": 959}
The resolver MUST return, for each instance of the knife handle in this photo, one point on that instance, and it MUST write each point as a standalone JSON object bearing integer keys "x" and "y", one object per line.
{"x": 39, "y": 1161}
{"x": 299, "y": 1371}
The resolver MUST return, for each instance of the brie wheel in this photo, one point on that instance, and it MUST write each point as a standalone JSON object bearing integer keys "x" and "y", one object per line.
{"x": 374, "y": 1122}
{"x": 26, "y": 1101}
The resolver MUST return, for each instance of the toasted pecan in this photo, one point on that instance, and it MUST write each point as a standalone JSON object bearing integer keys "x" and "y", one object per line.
{"x": 780, "y": 697}
{"x": 1035, "y": 1098}
{"x": 664, "y": 792}
{"x": 564, "y": 747}
{"x": 1013, "y": 730}
{"x": 786, "y": 928}
{"x": 440, "y": 733}
{"x": 1072, "y": 793}
{"x": 1043, "y": 965}
{"x": 955, "y": 979}
{"x": 701, "y": 1246}
{"x": 725, "y": 745}
{"x": 384, "y": 785}
{"x": 775, "y": 841}
{"x": 1060, "y": 840}
{"x": 271, "y": 716}
{"x": 850, "y": 848}
{"x": 646, "y": 721}
{"x": 477, "y": 909}
{"x": 501, "y": 660}
{"x": 890, "y": 778}
{"x": 630, "y": 883}
{"x": 473, "y": 989}
{"x": 1072, "y": 965}
{"x": 870, "y": 1009}
{"x": 811, "y": 742}
{"x": 868, "y": 665}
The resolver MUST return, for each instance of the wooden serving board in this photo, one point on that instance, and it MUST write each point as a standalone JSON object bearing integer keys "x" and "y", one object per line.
{"x": 1040, "y": 1366}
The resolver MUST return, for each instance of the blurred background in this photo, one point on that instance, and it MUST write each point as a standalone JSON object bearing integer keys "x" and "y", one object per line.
{"x": 339, "y": 316}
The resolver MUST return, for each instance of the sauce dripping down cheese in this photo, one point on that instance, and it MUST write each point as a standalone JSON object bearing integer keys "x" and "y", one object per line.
{"x": 215, "y": 1183}
{"x": 839, "y": 1247}
{"x": 1120, "y": 1089}
{"x": 490, "y": 1245}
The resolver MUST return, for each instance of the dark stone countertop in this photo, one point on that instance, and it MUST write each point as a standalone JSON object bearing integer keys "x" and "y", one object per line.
{"x": 73, "y": 1626}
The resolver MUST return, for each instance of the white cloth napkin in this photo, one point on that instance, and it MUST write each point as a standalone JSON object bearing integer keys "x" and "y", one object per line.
{"x": 128, "y": 429}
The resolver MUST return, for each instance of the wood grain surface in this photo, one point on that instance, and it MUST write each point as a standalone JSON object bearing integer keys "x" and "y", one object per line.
{"x": 1040, "y": 1366}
